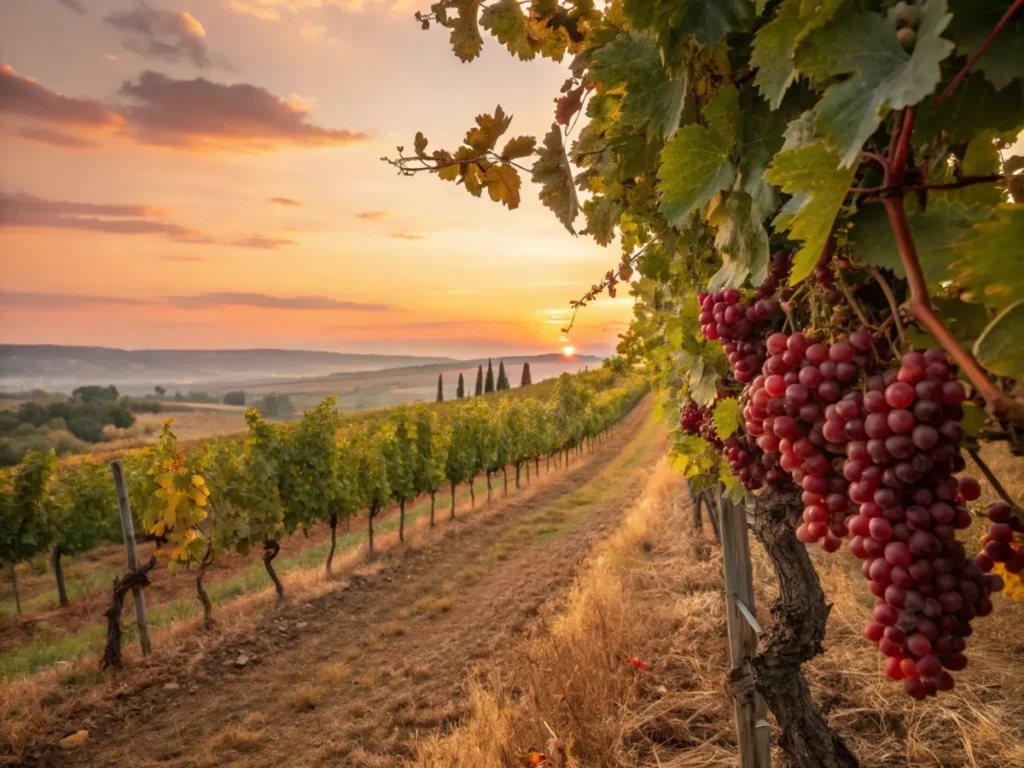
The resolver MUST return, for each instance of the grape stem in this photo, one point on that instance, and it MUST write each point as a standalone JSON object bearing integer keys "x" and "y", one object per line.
{"x": 966, "y": 70}
{"x": 853, "y": 302}
{"x": 893, "y": 306}
{"x": 966, "y": 181}
{"x": 992, "y": 479}
{"x": 1003, "y": 406}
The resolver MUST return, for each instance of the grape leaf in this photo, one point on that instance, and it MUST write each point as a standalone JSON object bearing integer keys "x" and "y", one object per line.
{"x": 883, "y": 75}
{"x": 1003, "y": 60}
{"x": 506, "y": 21}
{"x": 652, "y": 100}
{"x": 489, "y": 129}
{"x": 552, "y": 172}
{"x": 503, "y": 184}
{"x": 602, "y": 214}
{"x": 696, "y": 163}
{"x": 761, "y": 137}
{"x": 991, "y": 264}
{"x": 465, "y": 37}
{"x": 975, "y": 106}
{"x": 980, "y": 159}
{"x": 811, "y": 172}
{"x": 420, "y": 144}
{"x": 520, "y": 146}
{"x": 776, "y": 42}
{"x": 703, "y": 382}
{"x": 707, "y": 20}
{"x": 742, "y": 242}
{"x": 999, "y": 347}
{"x": 937, "y": 232}
{"x": 975, "y": 419}
{"x": 726, "y": 417}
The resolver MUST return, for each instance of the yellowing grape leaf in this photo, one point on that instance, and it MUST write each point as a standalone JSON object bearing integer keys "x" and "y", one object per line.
{"x": 602, "y": 214}
{"x": 503, "y": 184}
{"x": 520, "y": 146}
{"x": 552, "y": 172}
{"x": 811, "y": 173}
{"x": 726, "y": 416}
{"x": 507, "y": 22}
{"x": 465, "y": 37}
{"x": 696, "y": 163}
{"x": 1000, "y": 347}
{"x": 489, "y": 129}
{"x": 882, "y": 75}
{"x": 991, "y": 264}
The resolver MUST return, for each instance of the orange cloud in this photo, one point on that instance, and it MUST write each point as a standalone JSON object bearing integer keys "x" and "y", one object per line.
{"x": 162, "y": 34}
{"x": 372, "y": 215}
{"x": 263, "y": 243}
{"x": 406, "y": 236}
{"x": 284, "y": 201}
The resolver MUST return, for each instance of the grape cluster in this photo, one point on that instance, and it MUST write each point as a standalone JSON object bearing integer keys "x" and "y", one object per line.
{"x": 696, "y": 419}
{"x": 1004, "y": 542}
{"x": 752, "y": 466}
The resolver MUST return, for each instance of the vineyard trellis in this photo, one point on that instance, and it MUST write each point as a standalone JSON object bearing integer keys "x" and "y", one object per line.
{"x": 229, "y": 495}
{"x": 819, "y": 207}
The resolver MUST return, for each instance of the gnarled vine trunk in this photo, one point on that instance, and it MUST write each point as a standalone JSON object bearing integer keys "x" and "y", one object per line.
{"x": 518, "y": 469}
{"x": 122, "y": 585}
{"x": 201, "y": 591}
{"x": 452, "y": 484}
{"x": 334, "y": 541}
{"x": 504, "y": 481}
{"x": 401, "y": 520}
{"x": 270, "y": 550}
{"x": 472, "y": 494}
{"x": 369, "y": 529}
{"x": 536, "y": 464}
{"x": 14, "y": 587}
{"x": 58, "y": 574}
{"x": 800, "y": 614}
{"x": 488, "y": 487}
{"x": 433, "y": 504}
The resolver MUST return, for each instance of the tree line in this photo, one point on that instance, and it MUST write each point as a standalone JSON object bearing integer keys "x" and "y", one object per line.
{"x": 235, "y": 495}
{"x": 485, "y": 385}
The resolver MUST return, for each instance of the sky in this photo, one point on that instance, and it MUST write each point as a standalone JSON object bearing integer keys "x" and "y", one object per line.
{"x": 207, "y": 174}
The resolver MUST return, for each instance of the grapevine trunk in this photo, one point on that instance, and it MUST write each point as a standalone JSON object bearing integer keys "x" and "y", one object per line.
{"x": 270, "y": 550}
{"x": 201, "y": 591}
{"x": 401, "y": 520}
{"x": 139, "y": 578}
{"x": 334, "y": 541}
{"x": 58, "y": 573}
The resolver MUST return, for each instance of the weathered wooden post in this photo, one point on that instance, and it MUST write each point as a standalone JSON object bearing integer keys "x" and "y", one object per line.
{"x": 128, "y": 531}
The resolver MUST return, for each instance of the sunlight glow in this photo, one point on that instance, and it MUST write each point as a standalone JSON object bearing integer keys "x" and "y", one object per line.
{"x": 569, "y": 351}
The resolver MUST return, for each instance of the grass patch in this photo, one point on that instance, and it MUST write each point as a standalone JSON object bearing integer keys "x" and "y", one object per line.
{"x": 336, "y": 672}
{"x": 304, "y": 697}
{"x": 434, "y": 604}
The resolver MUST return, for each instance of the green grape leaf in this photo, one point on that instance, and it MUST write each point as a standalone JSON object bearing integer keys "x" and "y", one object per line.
{"x": 999, "y": 347}
{"x": 981, "y": 159}
{"x": 742, "y": 242}
{"x": 991, "y": 264}
{"x": 552, "y": 172}
{"x": 726, "y": 416}
{"x": 503, "y": 184}
{"x": 703, "y": 382}
{"x": 521, "y": 146}
{"x": 696, "y": 163}
{"x": 602, "y": 214}
{"x": 489, "y": 129}
{"x": 1003, "y": 60}
{"x": 810, "y": 173}
{"x": 707, "y": 20}
{"x": 975, "y": 106}
{"x": 762, "y": 135}
{"x": 465, "y": 37}
{"x": 937, "y": 232}
{"x": 776, "y": 42}
{"x": 975, "y": 419}
{"x": 506, "y": 21}
{"x": 883, "y": 75}
{"x": 652, "y": 100}
{"x": 734, "y": 490}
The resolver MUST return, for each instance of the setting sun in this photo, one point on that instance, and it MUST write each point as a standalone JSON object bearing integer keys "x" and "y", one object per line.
{"x": 569, "y": 351}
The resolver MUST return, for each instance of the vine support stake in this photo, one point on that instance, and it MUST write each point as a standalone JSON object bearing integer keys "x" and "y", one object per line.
{"x": 128, "y": 531}
{"x": 752, "y": 727}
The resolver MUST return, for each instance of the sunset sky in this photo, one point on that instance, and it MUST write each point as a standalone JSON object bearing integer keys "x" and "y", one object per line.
{"x": 145, "y": 203}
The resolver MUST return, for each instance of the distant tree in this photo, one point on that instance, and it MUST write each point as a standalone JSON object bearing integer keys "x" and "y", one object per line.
{"x": 160, "y": 391}
{"x": 237, "y": 397}
{"x": 460, "y": 391}
{"x": 94, "y": 393}
{"x": 502, "y": 378}
{"x": 440, "y": 388}
{"x": 276, "y": 406}
{"x": 526, "y": 380}
{"x": 489, "y": 381}
{"x": 479, "y": 381}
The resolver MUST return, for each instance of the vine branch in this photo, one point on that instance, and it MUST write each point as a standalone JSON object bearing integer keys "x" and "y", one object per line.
{"x": 992, "y": 479}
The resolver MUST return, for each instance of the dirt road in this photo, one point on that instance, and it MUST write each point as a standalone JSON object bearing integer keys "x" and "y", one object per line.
{"x": 355, "y": 677}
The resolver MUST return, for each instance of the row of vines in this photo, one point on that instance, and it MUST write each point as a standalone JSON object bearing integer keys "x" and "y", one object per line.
{"x": 819, "y": 206}
{"x": 230, "y": 495}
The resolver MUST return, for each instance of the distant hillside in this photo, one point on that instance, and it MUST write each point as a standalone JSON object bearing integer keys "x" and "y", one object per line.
{"x": 53, "y": 367}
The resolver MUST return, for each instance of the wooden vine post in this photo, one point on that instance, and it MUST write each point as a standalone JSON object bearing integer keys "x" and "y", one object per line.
{"x": 128, "y": 531}
{"x": 752, "y": 727}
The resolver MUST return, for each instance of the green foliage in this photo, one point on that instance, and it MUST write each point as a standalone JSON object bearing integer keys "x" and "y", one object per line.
{"x": 95, "y": 393}
{"x": 25, "y": 527}
{"x": 489, "y": 381}
{"x": 235, "y": 397}
{"x": 82, "y": 507}
{"x": 276, "y": 406}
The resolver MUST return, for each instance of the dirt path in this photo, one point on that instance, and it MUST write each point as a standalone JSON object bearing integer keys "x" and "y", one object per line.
{"x": 357, "y": 676}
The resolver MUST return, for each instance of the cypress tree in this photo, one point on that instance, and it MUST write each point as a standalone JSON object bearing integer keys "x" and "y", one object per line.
{"x": 526, "y": 380}
{"x": 502, "y": 378}
{"x": 460, "y": 390}
{"x": 440, "y": 388}
{"x": 479, "y": 381}
{"x": 489, "y": 381}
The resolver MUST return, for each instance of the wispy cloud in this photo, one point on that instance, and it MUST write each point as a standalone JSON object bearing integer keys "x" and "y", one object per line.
{"x": 74, "y": 5}
{"x": 262, "y": 243}
{"x": 160, "y": 34}
{"x": 372, "y": 215}
{"x": 184, "y": 259}
{"x": 406, "y": 236}
{"x": 284, "y": 201}
{"x": 44, "y": 300}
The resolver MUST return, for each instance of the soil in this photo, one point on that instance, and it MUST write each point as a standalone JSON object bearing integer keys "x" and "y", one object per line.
{"x": 357, "y": 676}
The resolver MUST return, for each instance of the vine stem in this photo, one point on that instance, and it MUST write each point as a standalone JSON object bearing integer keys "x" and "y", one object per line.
{"x": 853, "y": 302}
{"x": 1002, "y": 405}
{"x": 893, "y": 306}
{"x": 963, "y": 73}
{"x": 992, "y": 479}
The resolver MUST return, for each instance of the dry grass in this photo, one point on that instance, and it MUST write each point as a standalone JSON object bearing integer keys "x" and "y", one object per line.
{"x": 335, "y": 672}
{"x": 304, "y": 697}
{"x": 434, "y": 604}
{"x": 238, "y": 739}
{"x": 666, "y": 607}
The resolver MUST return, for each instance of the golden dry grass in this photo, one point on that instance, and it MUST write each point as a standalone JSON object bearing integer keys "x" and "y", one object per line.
{"x": 335, "y": 672}
{"x": 304, "y": 697}
{"x": 667, "y": 608}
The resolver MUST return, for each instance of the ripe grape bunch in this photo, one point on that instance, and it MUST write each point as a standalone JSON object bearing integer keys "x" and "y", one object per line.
{"x": 696, "y": 419}
{"x": 1004, "y": 542}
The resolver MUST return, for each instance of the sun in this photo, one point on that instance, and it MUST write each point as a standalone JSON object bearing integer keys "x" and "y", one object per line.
{"x": 569, "y": 351}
